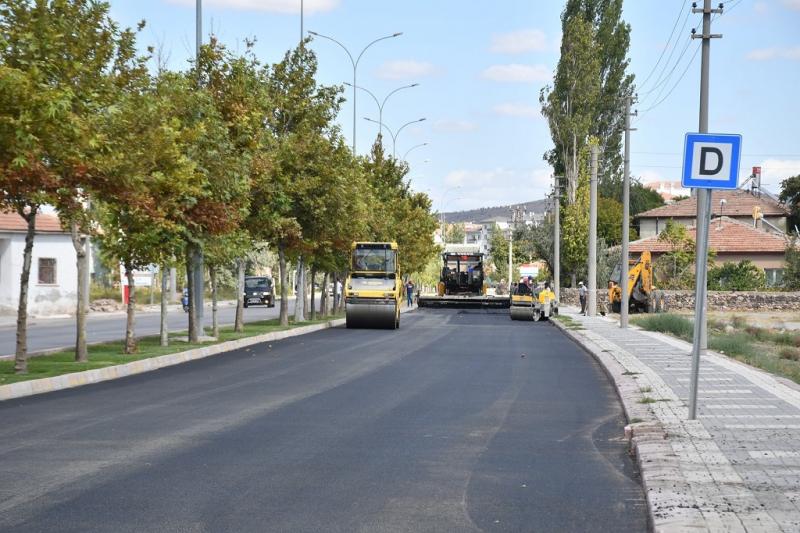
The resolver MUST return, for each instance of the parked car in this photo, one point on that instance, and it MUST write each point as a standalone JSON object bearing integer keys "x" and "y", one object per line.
{"x": 258, "y": 291}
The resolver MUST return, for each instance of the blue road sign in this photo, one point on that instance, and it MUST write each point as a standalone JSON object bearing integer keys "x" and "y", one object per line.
{"x": 711, "y": 161}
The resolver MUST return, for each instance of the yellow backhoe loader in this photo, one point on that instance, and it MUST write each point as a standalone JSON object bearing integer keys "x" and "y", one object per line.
{"x": 641, "y": 293}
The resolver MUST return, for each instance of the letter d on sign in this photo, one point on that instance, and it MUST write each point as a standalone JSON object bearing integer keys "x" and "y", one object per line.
{"x": 704, "y": 151}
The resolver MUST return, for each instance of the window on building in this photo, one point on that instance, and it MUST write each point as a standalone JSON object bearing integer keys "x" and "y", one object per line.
{"x": 774, "y": 276}
{"x": 47, "y": 271}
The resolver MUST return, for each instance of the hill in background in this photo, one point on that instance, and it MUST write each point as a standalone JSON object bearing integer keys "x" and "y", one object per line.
{"x": 502, "y": 212}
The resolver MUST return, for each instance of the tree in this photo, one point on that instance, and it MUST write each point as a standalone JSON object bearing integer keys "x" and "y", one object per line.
{"x": 741, "y": 276}
{"x": 498, "y": 244}
{"x": 455, "y": 233}
{"x": 570, "y": 104}
{"x": 790, "y": 195}
{"x": 791, "y": 274}
{"x": 589, "y": 89}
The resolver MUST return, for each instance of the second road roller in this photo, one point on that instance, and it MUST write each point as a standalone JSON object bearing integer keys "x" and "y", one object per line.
{"x": 373, "y": 288}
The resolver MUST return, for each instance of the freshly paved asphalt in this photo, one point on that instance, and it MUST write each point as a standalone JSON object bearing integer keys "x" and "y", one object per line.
{"x": 50, "y": 333}
{"x": 459, "y": 421}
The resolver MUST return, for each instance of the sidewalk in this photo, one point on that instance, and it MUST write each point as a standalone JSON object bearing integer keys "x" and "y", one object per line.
{"x": 735, "y": 468}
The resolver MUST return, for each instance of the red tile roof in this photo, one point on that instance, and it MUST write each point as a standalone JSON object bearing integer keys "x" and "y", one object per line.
{"x": 45, "y": 223}
{"x": 732, "y": 237}
{"x": 739, "y": 203}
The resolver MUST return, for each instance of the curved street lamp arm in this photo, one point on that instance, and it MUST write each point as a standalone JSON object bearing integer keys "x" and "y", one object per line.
{"x": 413, "y": 148}
{"x": 410, "y": 123}
{"x": 353, "y": 61}
{"x": 398, "y": 89}
{"x": 382, "y": 125}
{"x": 366, "y": 91}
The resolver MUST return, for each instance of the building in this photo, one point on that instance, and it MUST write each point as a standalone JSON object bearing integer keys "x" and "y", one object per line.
{"x": 733, "y": 241}
{"x": 669, "y": 190}
{"x": 740, "y": 205}
{"x": 54, "y": 274}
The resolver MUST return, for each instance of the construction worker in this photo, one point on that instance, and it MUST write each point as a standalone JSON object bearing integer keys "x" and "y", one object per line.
{"x": 582, "y": 296}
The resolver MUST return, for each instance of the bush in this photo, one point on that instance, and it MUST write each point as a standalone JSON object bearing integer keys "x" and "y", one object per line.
{"x": 742, "y": 276}
{"x": 676, "y": 325}
{"x": 732, "y": 344}
{"x": 792, "y": 354}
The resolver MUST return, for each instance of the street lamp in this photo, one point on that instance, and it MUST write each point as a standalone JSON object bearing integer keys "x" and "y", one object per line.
{"x": 355, "y": 62}
{"x": 397, "y": 133}
{"x": 405, "y": 156}
{"x": 383, "y": 103}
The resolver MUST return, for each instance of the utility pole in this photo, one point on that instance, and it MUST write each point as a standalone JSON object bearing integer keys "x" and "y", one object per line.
{"x": 626, "y": 215}
{"x": 591, "y": 303}
{"x": 198, "y": 268}
{"x": 703, "y": 215}
{"x": 557, "y": 238}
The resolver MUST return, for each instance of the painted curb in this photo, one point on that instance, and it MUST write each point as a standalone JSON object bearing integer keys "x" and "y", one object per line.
{"x": 665, "y": 485}
{"x": 98, "y": 375}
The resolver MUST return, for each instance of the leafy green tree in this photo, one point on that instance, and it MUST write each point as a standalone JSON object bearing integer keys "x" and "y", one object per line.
{"x": 791, "y": 273}
{"x": 73, "y": 72}
{"x": 589, "y": 90}
{"x": 455, "y": 233}
{"x": 790, "y": 195}
{"x": 498, "y": 245}
{"x": 741, "y": 276}
{"x": 570, "y": 104}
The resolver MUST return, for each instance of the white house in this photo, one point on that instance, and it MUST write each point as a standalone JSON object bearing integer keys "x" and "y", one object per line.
{"x": 54, "y": 279}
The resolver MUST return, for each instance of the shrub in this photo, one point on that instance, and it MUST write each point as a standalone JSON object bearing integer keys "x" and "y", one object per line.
{"x": 732, "y": 344}
{"x": 787, "y": 352}
{"x": 742, "y": 276}
{"x": 676, "y": 325}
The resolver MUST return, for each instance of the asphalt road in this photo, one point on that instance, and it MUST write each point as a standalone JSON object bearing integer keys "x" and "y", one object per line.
{"x": 51, "y": 333}
{"x": 459, "y": 421}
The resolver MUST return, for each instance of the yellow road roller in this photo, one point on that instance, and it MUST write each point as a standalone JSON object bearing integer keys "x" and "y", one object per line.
{"x": 523, "y": 303}
{"x": 373, "y": 288}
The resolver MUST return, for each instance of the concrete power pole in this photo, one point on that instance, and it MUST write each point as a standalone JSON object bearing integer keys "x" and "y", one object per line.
{"x": 198, "y": 267}
{"x": 557, "y": 239}
{"x": 703, "y": 215}
{"x": 626, "y": 215}
{"x": 591, "y": 301}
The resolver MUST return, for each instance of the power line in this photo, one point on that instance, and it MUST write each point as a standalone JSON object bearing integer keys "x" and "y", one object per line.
{"x": 666, "y": 45}
{"x": 661, "y": 79}
{"x": 683, "y": 74}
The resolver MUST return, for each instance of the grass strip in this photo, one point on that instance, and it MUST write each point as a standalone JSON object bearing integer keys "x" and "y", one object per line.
{"x": 110, "y": 353}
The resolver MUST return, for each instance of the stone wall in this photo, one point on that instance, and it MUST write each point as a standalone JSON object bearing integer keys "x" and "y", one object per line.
{"x": 717, "y": 300}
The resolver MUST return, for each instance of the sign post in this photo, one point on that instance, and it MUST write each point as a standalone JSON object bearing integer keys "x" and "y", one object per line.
{"x": 710, "y": 161}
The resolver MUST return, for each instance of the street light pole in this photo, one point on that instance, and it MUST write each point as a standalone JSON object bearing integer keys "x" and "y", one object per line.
{"x": 557, "y": 239}
{"x": 405, "y": 155}
{"x": 397, "y": 133}
{"x": 382, "y": 104}
{"x": 591, "y": 308}
{"x": 355, "y": 61}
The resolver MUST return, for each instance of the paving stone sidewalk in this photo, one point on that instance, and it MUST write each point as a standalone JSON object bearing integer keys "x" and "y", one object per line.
{"x": 735, "y": 468}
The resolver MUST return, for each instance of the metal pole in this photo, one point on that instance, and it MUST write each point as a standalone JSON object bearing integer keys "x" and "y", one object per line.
{"x": 626, "y": 191}
{"x": 510, "y": 255}
{"x": 703, "y": 219}
{"x": 198, "y": 285}
{"x": 302, "y": 31}
{"x": 591, "y": 303}
{"x": 557, "y": 243}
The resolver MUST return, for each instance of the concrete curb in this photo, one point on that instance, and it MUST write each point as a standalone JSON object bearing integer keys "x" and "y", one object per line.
{"x": 97, "y": 375}
{"x": 666, "y": 488}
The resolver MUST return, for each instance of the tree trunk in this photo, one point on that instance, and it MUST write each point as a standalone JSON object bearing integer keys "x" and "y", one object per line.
{"x": 165, "y": 296}
{"x": 212, "y": 272}
{"x": 284, "y": 314}
{"x": 239, "y": 322}
{"x": 130, "y": 334}
{"x": 300, "y": 295}
{"x": 323, "y": 298}
{"x": 340, "y": 308}
{"x": 21, "y": 353}
{"x": 573, "y": 281}
{"x": 193, "y": 334}
{"x": 79, "y": 243}
{"x": 174, "y": 296}
{"x": 313, "y": 313}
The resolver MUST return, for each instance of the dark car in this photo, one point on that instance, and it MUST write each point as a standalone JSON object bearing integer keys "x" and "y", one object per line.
{"x": 258, "y": 291}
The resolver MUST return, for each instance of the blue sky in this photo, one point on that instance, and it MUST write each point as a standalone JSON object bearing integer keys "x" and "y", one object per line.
{"x": 480, "y": 66}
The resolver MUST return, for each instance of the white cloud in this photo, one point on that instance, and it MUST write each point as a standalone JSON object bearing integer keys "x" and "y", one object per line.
{"x": 516, "y": 73}
{"x": 518, "y": 42}
{"x": 454, "y": 126}
{"x": 766, "y": 54}
{"x": 517, "y": 109}
{"x": 406, "y": 69}
{"x": 760, "y": 8}
{"x": 792, "y": 4}
{"x": 499, "y": 186}
{"x": 273, "y": 6}
{"x": 773, "y": 171}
